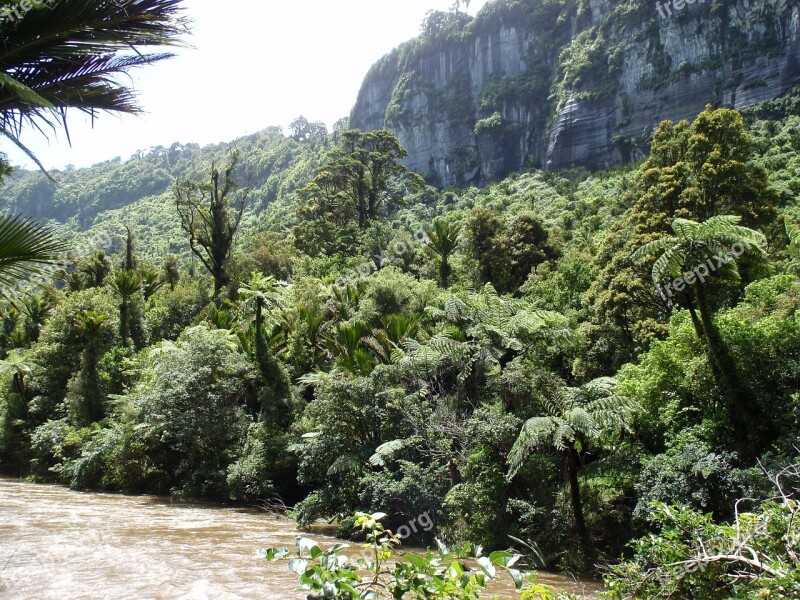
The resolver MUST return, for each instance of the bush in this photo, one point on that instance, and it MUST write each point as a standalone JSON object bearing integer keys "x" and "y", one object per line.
{"x": 189, "y": 405}
{"x": 263, "y": 471}
{"x": 691, "y": 556}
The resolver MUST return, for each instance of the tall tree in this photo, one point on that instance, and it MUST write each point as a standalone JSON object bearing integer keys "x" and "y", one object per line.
{"x": 574, "y": 418}
{"x": 35, "y": 309}
{"x": 172, "y": 273}
{"x": 86, "y": 384}
{"x": 130, "y": 251}
{"x": 694, "y": 171}
{"x": 210, "y": 214}
{"x": 125, "y": 284}
{"x": 444, "y": 241}
{"x": 96, "y": 267}
{"x": 489, "y": 246}
{"x": 261, "y": 294}
{"x": 697, "y": 253}
{"x": 362, "y": 178}
{"x": 152, "y": 280}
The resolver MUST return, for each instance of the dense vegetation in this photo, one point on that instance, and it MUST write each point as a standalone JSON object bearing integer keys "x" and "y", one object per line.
{"x": 600, "y": 369}
{"x": 575, "y": 360}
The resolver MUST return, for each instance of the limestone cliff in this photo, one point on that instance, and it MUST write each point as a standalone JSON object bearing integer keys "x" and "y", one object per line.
{"x": 562, "y": 83}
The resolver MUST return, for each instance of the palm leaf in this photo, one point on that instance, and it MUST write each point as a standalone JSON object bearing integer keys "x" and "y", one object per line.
{"x": 535, "y": 432}
{"x": 670, "y": 264}
{"x": 653, "y": 248}
{"x": 69, "y": 54}
{"x": 386, "y": 451}
{"x": 344, "y": 464}
{"x": 25, "y": 248}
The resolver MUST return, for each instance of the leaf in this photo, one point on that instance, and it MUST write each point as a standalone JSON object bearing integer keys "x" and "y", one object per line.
{"x": 485, "y": 563}
{"x": 25, "y": 248}
{"x": 517, "y": 577}
{"x": 273, "y": 553}
{"x": 384, "y": 451}
{"x": 302, "y": 544}
{"x": 298, "y": 565}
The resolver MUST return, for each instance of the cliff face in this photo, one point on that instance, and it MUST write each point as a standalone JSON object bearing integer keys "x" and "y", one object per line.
{"x": 562, "y": 83}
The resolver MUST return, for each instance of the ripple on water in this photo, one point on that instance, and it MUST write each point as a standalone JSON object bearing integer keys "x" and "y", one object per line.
{"x": 58, "y": 544}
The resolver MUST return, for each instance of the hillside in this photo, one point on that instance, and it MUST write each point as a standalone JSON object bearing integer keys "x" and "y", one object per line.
{"x": 565, "y": 83}
{"x": 137, "y": 192}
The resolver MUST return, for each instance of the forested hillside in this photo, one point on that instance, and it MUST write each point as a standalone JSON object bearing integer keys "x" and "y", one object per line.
{"x": 138, "y": 191}
{"x": 572, "y": 359}
{"x": 592, "y": 371}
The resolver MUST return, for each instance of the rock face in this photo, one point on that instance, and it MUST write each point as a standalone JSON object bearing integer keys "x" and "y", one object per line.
{"x": 565, "y": 83}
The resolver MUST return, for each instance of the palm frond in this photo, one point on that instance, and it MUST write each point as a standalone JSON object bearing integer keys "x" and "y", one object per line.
{"x": 69, "y": 54}
{"x": 653, "y": 248}
{"x": 25, "y": 248}
{"x": 345, "y": 463}
{"x": 671, "y": 263}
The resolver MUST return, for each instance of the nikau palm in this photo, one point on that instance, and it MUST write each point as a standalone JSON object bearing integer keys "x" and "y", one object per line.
{"x": 444, "y": 241}
{"x": 125, "y": 285}
{"x": 261, "y": 294}
{"x": 69, "y": 54}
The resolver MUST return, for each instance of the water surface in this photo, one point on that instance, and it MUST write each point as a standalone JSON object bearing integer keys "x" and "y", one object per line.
{"x": 60, "y": 544}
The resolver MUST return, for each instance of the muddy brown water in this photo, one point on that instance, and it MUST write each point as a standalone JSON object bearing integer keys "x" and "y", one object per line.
{"x": 60, "y": 544}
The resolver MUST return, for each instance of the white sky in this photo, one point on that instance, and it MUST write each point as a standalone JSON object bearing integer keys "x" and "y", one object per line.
{"x": 255, "y": 63}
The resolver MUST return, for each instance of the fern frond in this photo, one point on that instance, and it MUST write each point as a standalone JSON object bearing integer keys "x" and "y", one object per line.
{"x": 385, "y": 452}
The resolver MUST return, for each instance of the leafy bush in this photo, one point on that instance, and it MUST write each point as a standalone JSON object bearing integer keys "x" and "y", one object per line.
{"x": 449, "y": 574}
{"x": 261, "y": 472}
{"x": 692, "y": 556}
{"x": 189, "y": 405}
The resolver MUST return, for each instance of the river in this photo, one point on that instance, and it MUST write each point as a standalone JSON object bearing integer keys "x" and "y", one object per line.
{"x": 60, "y": 544}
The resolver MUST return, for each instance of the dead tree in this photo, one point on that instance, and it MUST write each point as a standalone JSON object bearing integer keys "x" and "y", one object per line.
{"x": 210, "y": 214}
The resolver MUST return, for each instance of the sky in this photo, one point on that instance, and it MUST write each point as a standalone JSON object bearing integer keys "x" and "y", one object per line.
{"x": 253, "y": 64}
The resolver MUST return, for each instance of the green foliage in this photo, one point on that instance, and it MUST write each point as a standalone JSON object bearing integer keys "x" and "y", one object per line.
{"x": 25, "y": 249}
{"x": 444, "y": 574}
{"x": 373, "y": 368}
{"x": 261, "y": 469}
{"x": 695, "y": 172}
{"x": 189, "y": 407}
{"x": 693, "y": 556}
{"x": 361, "y": 181}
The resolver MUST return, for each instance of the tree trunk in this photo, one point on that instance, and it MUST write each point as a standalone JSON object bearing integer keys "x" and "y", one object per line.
{"x": 701, "y": 334}
{"x": 91, "y": 390}
{"x": 124, "y": 325}
{"x": 740, "y": 397}
{"x": 444, "y": 273}
{"x": 573, "y": 465}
